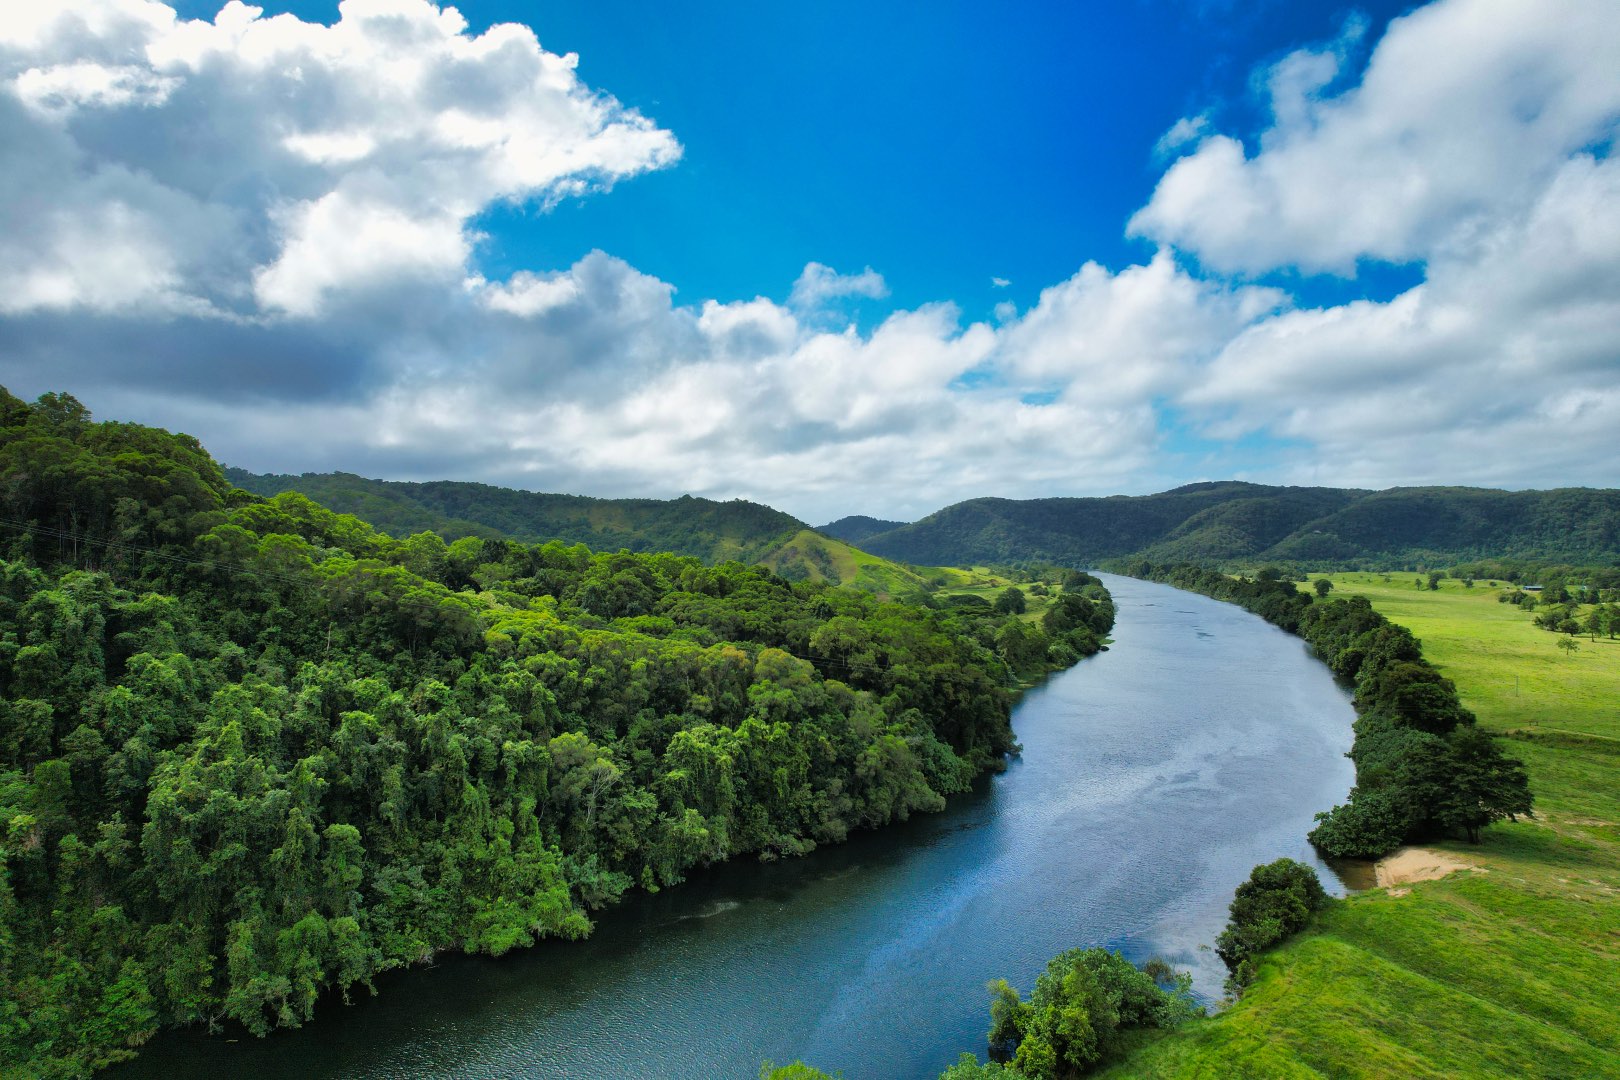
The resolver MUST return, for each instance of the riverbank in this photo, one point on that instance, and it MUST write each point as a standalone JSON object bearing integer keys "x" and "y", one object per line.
{"x": 1128, "y": 821}
{"x": 1506, "y": 973}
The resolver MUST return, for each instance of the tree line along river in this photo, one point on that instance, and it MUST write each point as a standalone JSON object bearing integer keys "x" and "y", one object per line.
{"x": 1154, "y": 777}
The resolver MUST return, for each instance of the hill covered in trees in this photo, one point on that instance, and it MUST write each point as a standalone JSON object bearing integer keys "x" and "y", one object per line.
{"x": 703, "y": 528}
{"x": 709, "y": 530}
{"x": 253, "y": 751}
{"x": 1234, "y": 522}
{"x": 857, "y": 527}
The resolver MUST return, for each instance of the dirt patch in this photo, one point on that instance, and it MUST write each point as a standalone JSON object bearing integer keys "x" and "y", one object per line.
{"x": 1417, "y": 864}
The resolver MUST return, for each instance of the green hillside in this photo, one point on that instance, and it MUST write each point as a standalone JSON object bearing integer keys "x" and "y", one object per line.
{"x": 703, "y": 528}
{"x": 857, "y": 527}
{"x": 254, "y": 753}
{"x": 1234, "y": 522}
{"x": 807, "y": 555}
{"x": 709, "y": 530}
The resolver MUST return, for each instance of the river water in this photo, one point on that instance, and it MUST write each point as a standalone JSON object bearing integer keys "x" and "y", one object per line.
{"x": 1154, "y": 777}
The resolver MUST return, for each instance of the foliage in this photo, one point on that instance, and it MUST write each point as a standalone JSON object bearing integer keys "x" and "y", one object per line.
{"x": 253, "y": 751}
{"x": 710, "y": 530}
{"x": 1011, "y": 602}
{"x": 1502, "y": 974}
{"x": 1275, "y": 903}
{"x": 1082, "y": 1006}
{"x": 1231, "y": 522}
{"x": 1422, "y": 771}
{"x": 857, "y": 527}
{"x": 797, "y": 1070}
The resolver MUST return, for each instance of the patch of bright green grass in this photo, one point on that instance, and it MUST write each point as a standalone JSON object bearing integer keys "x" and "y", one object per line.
{"x": 1508, "y": 970}
{"x": 1509, "y": 671}
{"x": 985, "y": 582}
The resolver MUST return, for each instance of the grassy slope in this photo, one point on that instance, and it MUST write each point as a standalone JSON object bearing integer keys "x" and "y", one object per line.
{"x": 1508, "y": 972}
{"x": 823, "y": 558}
{"x": 985, "y": 582}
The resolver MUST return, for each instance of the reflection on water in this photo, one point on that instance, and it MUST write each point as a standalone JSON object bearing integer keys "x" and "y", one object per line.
{"x": 1154, "y": 777}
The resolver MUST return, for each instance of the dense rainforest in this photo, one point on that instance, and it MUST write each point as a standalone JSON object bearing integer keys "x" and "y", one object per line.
{"x": 253, "y": 752}
{"x": 712, "y": 531}
{"x": 1232, "y": 523}
{"x": 1423, "y": 767}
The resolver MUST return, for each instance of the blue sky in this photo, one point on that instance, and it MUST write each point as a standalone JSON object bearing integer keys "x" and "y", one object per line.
{"x": 1288, "y": 242}
{"x": 944, "y": 145}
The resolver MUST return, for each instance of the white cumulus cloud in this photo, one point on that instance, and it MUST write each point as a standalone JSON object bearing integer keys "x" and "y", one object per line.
{"x": 260, "y": 166}
{"x": 260, "y": 230}
{"x": 1465, "y": 111}
{"x": 819, "y": 283}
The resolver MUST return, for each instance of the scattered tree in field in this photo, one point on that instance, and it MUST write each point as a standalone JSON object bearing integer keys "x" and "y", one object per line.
{"x": 1011, "y": 601}
{"x": 1569, "y": 645}
{"x": 1323, "y": 586}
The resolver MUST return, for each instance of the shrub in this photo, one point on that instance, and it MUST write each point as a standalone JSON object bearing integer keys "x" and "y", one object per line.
{"x": 1275, "y": 903}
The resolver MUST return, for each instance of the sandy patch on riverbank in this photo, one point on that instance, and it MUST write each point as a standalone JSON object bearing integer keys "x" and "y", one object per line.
{"x": 1417, "y": 864}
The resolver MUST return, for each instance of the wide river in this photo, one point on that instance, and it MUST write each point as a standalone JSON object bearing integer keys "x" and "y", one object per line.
{"x": 1154, "y": 776}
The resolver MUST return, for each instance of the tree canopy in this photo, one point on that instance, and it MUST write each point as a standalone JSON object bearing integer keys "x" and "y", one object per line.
{"x": 253, "y": 751}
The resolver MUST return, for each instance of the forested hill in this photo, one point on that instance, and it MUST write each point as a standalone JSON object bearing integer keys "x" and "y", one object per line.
{"x": 1229, "y": 522}
{"x": 703, "y": 528}
{"x": 857, "y": 527}
{"x": 711, "y": 531}
{"x": 253, "y": 751}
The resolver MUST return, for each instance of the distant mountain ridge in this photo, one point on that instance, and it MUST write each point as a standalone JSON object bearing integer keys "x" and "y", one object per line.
{"x": 710, "y": 530}
{"x": 857, "y": 527}
{"x": 713, "y": 531}
{"x": 1215, "y": 523}
{"x": 1232, "y": 522}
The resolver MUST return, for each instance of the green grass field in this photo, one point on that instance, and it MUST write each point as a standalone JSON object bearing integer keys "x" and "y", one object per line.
{"x": 823, "y": 558}
{"x": 986, "y": 582}
{"x": 1512, "y": 970}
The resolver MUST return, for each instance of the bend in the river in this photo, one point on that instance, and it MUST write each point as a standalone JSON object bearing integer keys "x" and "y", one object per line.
{"x": 1154, "y": 777}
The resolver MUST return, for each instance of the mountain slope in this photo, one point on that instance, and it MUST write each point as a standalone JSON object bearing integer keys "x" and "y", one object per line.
{"x": 857, "y": 527}
{"x": 1235, "y": 522}
{"x": 712, "y": 531}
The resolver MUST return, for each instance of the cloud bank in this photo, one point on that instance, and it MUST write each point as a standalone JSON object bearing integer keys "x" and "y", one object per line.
{"x": 258, "y": 230}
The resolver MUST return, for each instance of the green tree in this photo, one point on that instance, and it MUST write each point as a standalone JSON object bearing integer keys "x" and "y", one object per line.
{"x": 1323, "y": 586}
{"x": 1011, "y": 601}
{"x": 1083, "y": 1005}
{"x": 1276, "y": 902}
{"x": 1486, "y": 785}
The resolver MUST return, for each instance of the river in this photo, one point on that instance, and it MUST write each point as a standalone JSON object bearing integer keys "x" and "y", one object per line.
{"x": 1154, "y": 776}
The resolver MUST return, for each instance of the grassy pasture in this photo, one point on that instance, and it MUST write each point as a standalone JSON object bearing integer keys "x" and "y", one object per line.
{"x": 986, "y": 582}
{"x": 1505, "y": 971}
